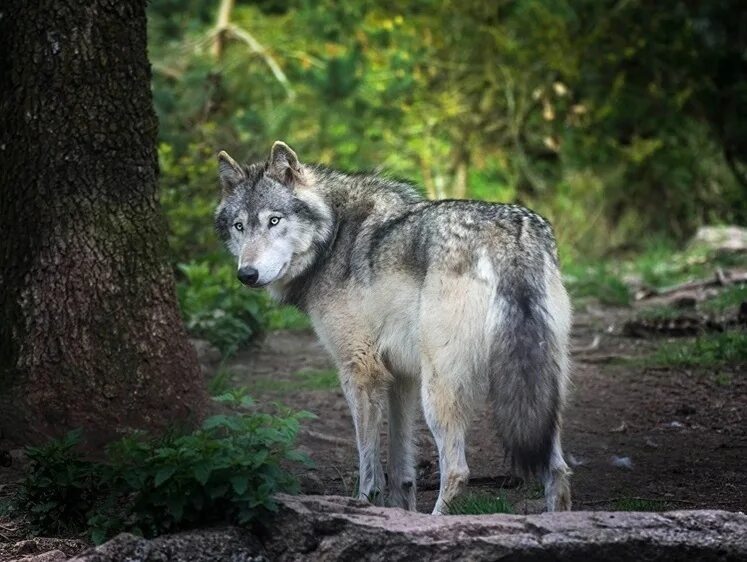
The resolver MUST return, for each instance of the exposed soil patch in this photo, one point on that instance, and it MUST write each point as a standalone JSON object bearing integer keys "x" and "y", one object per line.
{"x": 674, "y": 436}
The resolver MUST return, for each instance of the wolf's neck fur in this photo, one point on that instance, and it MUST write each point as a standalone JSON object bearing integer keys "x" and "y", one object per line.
{"x": 339, "y": 202}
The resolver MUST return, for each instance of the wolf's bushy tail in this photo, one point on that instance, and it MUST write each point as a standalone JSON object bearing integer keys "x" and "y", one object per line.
{"x": 527, "y": 364}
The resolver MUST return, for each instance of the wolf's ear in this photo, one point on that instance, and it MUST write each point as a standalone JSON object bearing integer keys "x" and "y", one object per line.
{"x": 229, "y": 171}
{"x": 283, "y": 164}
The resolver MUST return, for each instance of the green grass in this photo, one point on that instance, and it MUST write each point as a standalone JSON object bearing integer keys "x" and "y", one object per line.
{"x": 304, "y": 380}
{"x": 723, "y": 379}
{"x": 662, "y": 266}
{"x": 480, "y": 504}
{"x": 654, "y": 313}
{"x": 706, "y": 350}
{"x": 597, "y": 281}
{"x": 726, "y": 300}
{"x": 639, "y": 504}
{"x": 658, "y": 266}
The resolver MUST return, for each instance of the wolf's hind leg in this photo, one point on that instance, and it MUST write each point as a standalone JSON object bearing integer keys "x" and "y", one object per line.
{"x": 556, "y": 480}
{"x": 448, "y": 420}
{"x": 365, "y": 396}
{"x": 401, "y": 461}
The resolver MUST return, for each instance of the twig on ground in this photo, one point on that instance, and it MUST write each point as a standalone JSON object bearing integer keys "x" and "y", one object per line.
{"x": 719, "y": 279}
{"x": 591, "y": 347}
{"x": 328, "y": 438}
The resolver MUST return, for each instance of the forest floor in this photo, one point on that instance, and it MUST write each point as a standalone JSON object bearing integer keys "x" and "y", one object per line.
{"x": 639, "y": 436}
{"x": 643, "y": 431}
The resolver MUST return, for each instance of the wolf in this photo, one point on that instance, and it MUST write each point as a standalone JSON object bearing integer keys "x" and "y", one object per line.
{"x": 450, "y": 301}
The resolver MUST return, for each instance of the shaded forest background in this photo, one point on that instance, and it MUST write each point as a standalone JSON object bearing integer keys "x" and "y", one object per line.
{"x": 621, "y": 121}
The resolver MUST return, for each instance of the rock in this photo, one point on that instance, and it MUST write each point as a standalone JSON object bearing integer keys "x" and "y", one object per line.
{"x": 721, "y": 238}
{"x": 621, "y": 462}
{"x": 41, "y": 549}
{"x": 50, "y": 556}
{"x": 207, "y": 353}
{"x": 337, "y": 528}
{"x": 229, "y": 544}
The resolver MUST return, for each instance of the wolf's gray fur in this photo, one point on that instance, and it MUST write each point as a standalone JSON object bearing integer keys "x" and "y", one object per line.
{"x": 456, "y": 300}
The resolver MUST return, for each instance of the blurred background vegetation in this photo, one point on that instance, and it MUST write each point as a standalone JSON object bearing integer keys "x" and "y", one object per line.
{"x": 621, "y": 121}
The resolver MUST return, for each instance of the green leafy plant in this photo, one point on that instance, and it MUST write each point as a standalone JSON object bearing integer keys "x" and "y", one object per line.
{"x": 220, "y": 383}
{"x": 60, "y": 487}
{"x": 227, "y": 470}
{"x": 215, "y": 306}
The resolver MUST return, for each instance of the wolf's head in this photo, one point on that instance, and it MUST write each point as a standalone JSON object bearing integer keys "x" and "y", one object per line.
{"x": 271, "y": 217}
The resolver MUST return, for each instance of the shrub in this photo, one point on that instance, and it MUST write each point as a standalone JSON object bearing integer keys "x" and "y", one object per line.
{"x": 60, "y": 487}
{"x": 216, "y": 307}
{"x": 228, "y": 470}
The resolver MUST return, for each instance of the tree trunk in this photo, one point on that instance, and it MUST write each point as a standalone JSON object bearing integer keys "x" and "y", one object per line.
{"x": 90, "y": 334}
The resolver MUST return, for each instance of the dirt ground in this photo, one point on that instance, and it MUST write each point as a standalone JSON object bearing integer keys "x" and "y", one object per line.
{"x": 675, "y": 437}
{"x": 679, "y": 435}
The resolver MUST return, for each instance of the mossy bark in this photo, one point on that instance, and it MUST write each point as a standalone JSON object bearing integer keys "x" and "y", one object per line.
{"x": 90, "y": 332}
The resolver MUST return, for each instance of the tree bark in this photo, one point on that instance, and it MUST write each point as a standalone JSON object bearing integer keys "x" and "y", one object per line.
{"x": 90, "y": 333}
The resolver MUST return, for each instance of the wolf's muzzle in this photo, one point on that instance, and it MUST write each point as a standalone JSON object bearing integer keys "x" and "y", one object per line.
{"x": 248, "y": 275}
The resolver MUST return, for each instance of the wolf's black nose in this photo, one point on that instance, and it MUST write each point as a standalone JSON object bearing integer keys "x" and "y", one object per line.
{"x": 248, "y": 275}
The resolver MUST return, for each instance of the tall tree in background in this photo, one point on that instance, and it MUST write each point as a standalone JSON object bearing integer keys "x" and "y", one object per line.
{"x": 90, "y": 334}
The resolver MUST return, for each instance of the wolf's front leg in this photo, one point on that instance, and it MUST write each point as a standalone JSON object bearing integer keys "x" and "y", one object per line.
{"x": 365, "y": 396}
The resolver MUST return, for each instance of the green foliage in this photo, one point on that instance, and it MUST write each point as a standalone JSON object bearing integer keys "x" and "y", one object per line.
{"x": 221, "y": 382}
{"x": 307, "y": 379}
{"x": 228, "y": 470}
{"x": 660, "y": 265}
{"x": 706, "y": 350}
{"x": 218, "y": 308}
{"x": 621, "y": 125}
{"x": 598, "y": 281}
{"x": 654, "y": 313}
{"x": 60, "y": 486}
{"x": 727, "y": 299}
{"x": 480, "y": 504}
{"x": 285, "y": 318}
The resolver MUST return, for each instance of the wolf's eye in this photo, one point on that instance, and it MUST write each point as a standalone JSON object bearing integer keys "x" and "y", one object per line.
{"x": 238, "y": 226}
{"x": 274, "y": 221}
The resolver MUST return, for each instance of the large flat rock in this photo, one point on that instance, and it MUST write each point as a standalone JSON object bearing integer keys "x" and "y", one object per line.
{"x": 337, "y": 528}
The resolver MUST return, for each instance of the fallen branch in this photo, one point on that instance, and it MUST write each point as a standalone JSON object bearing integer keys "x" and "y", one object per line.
{"x": 328, "y": 438}
{"x": 591, "y": 347}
